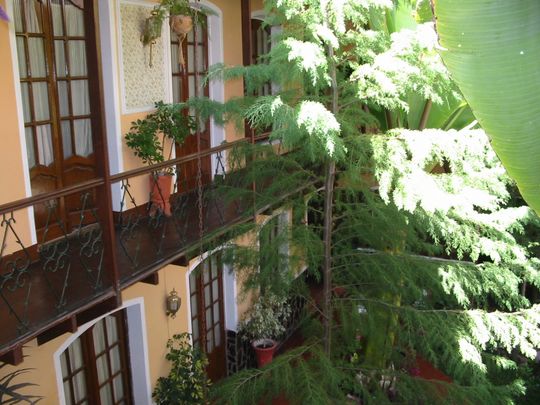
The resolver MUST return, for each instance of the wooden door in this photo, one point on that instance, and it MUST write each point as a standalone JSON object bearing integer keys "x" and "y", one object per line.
{"x": 57, "y": 55}
{"x": 95, "y": 367}
{"x": 207, "y": 314}
{"x": 189, "y": 63}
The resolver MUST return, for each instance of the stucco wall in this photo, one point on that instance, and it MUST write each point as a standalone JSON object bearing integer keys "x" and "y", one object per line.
{"x": 159, "y": 326}
{"x": 256, "y": 5}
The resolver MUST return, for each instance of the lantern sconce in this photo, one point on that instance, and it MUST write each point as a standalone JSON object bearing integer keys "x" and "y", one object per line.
{"x": 173, "y": 303}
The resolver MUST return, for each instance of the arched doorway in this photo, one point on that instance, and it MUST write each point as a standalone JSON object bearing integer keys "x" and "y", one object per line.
{"x": 95, "y": 366}
{"x": 106, "y": 360}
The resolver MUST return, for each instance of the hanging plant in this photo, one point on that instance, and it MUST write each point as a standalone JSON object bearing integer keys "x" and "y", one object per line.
{"x": 182, "y": 17}
{"x": 181, "y": 25}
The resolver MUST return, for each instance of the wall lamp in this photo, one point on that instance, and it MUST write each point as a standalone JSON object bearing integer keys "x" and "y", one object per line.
{"x": 173, "y": 303}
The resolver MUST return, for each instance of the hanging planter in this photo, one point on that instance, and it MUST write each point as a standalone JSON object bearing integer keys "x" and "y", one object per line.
{"x": 182, "y": 18}
{"x": 181, "y": 25}
{"x": 151, "y": 32}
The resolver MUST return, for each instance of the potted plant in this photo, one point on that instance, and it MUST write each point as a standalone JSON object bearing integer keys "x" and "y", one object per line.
{"x": 264, "y": 324}
{"x": 187, "y": 382}
{"x": 181, "y": 16}
{"x": 168, "y": 126}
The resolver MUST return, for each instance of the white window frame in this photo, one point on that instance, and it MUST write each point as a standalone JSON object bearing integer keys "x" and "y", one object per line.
{"x": 138, "y": 352}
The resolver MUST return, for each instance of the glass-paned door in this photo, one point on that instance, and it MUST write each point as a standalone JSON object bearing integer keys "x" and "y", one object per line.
{"x": 260, "y": 46}
{"x": 57, "y": 58}
{"x": 95, "y": 367}
{"x": 207, "y": 315}
{"x": 189, "y": 64}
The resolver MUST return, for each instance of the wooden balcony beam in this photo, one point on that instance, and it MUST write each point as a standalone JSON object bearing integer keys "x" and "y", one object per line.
{"x": 97, "y": 310}
{"x": 67, "y": 326}
{"x": 152, "y": 279}
{"x": 13, "y": 356}
{"x": 181, "y": 261}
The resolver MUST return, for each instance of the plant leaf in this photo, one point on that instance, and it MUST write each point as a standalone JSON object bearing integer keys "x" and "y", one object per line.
{"x": 492, "y": 50}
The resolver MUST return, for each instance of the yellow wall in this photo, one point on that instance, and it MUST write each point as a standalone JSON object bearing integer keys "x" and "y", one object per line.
{"x": 257, "y": 5}
{"x": 11, "y": 169}
{"x": 159, "y": 326}
{"x": 232, "y": 53}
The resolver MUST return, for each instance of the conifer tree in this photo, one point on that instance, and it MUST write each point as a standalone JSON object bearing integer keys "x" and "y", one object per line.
{"x": 421, "y": 228}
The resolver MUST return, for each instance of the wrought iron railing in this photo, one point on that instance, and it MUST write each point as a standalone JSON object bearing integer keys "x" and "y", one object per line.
{"x": 180, "y": 210}
{"x": 46, "y": 277}
{"x": 106, "y": 243}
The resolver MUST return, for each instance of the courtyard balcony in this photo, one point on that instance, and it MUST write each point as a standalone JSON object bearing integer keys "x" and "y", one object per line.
{"x": 72, "y": 270}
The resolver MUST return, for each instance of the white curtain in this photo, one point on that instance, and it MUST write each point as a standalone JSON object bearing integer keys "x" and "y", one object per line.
{"x": 30, "y": 153}
{"x": 44, "y": 143}
{"x": 32, "y": 20}
{"x": 82, "y": 129}
{"x": 75, "y": 362}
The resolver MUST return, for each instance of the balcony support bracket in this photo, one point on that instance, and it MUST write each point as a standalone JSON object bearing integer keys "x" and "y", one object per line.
{"x": 13, "y": 357}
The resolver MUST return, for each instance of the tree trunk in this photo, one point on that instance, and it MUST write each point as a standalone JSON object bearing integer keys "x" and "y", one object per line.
{"x": 330, "y": 177}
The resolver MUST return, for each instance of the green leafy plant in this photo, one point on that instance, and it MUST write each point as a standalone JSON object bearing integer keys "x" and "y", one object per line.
{"x": 10, "y": 392}
{"x": 424, "y": 232}
{"x": 266, "y": 318}
{"x": 148, "y": 137}
{"x": 187, "y": 382}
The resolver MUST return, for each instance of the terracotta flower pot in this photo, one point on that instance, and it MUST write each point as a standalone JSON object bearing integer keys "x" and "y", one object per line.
{"x": 181, "y": 25}
{"x": 160, "y": 194}
{"x": 264, "y": 350}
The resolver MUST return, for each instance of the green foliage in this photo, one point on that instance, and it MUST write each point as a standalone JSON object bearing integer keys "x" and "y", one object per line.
{"x": 153, "y": 24}
{"x": 147, "y": 137}
{"x": 303, "y": 375}
{"x": 432, "y": 249}
{"x": 10, "y": 392}
{"x": 187, "y": 382}
{"x": 453, "y": 312}
{"x": 265, "y": 319}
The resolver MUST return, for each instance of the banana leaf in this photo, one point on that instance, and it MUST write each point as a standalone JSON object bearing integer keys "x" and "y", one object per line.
{"x": 492, "y": 50}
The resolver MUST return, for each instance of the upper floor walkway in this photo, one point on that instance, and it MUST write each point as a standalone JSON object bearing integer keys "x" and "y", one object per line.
{"x": 127, "y": 229}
